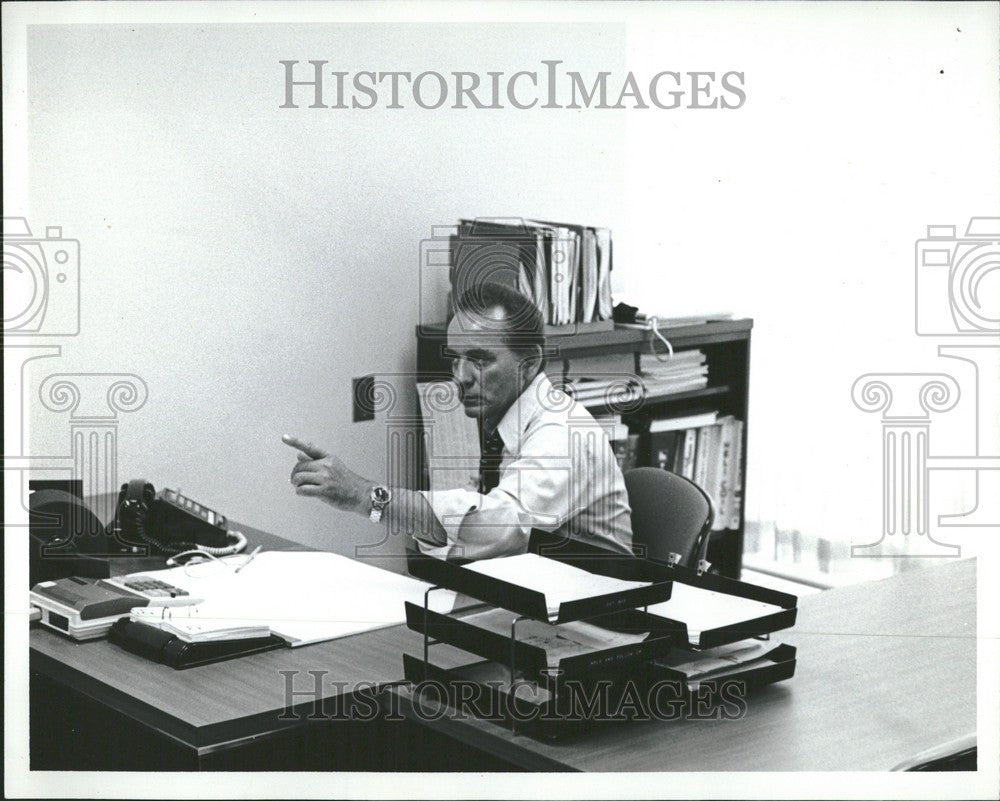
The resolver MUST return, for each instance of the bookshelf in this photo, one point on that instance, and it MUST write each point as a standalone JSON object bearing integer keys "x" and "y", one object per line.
{"x": 726, "y": 344}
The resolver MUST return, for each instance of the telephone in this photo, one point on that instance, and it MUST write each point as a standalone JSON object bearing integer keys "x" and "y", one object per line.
{"x": 172, "y": 523}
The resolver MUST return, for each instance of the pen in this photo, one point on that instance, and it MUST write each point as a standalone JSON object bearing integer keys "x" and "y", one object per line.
{"x": 249, "y": 559}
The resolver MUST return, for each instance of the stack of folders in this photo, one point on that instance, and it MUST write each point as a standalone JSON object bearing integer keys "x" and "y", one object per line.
{"x": 664, "y": 375}
{"x": 708, "y": 450}
{"x": 204, "y": 622}
{"x": 564, "y": 268}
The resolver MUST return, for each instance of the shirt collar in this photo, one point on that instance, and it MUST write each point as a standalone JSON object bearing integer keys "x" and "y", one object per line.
{"x": 516, "y": 419}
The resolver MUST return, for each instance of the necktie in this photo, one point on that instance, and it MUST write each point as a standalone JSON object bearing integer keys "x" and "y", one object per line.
{"x": 489, "y": 462}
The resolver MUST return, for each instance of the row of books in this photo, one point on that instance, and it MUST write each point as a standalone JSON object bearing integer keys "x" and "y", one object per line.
{"x": 564, "y": 268}
{"x": 708, "y": 450}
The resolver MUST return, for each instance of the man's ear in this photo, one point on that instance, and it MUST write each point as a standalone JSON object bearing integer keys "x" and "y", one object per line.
{"x": 530, "y": 364}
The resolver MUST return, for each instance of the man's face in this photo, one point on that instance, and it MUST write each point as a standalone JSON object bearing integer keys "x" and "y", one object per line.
{"x": 486, "y": 369}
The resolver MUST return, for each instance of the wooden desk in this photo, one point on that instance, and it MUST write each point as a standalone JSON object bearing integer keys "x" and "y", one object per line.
{"x": 96, "y": 706}
{"x": 885, "y": 671}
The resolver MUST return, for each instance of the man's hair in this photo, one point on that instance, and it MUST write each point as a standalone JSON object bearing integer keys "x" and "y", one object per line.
{"x": 522, "y": 326}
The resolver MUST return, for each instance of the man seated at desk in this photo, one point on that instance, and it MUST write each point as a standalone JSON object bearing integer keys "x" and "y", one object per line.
{"x": 545, "y": 462}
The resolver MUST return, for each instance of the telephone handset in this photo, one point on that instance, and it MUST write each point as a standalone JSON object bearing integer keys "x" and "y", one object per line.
{"x": 172, "y": 523}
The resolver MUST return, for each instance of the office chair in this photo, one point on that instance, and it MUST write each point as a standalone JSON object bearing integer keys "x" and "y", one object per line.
{"x": 670, "y": 514}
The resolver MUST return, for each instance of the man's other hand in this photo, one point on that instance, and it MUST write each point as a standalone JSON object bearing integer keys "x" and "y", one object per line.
{"x": 320, "y": 474}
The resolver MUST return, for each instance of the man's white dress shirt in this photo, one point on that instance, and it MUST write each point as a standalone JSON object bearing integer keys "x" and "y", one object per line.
{"x": 557, "y": 473}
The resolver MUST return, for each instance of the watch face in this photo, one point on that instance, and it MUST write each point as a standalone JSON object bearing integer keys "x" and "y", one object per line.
{"x": 380, "y": 494}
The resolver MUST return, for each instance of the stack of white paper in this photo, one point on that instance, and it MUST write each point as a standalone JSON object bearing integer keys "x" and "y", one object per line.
{"x": 558, "y": 581}
{"x": 302, "y": 596}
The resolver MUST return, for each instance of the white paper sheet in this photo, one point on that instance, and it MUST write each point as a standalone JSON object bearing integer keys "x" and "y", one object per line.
{"x": 558, "y": 581}
{"x": 303, "y": 596}
{"x": 703, "y": 610}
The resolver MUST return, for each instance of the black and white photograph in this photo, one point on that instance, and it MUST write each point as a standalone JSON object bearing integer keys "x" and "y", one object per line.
{"x": 440, "y": 399}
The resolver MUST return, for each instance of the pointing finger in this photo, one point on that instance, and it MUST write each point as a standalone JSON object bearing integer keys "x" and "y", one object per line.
{"x": 307, "y": 448}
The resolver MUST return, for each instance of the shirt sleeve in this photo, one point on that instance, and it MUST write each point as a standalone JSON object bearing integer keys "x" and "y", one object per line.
{"x": 556, "y": 472}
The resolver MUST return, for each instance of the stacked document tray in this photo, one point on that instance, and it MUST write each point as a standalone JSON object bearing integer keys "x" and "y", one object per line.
{"x": 553, "y": 658}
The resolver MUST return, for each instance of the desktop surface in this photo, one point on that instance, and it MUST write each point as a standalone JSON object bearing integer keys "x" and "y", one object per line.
{"x": 885, "y": 670}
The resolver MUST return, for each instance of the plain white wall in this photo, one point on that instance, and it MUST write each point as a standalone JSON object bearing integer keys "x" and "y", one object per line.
{"x": 248, "y": 261}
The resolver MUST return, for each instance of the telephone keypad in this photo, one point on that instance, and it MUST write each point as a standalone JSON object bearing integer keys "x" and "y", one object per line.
{"x": 154, "y": 588}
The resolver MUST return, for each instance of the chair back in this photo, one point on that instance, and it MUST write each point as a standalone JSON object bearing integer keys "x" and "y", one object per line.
{"x": 670, "y": 514}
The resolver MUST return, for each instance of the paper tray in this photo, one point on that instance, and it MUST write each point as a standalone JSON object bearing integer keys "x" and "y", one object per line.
{"x": 531, "y": 603}
{"x": 777, "y": 664}
{"x": 533, "y": 660}
{"x": 483, "y": 689}
{"x": 758, "y": 621}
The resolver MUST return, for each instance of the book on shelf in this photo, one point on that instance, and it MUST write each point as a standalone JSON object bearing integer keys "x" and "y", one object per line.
{"x": 704, "y": 451}
{"x": 736, "y": 494}
{"x": 687, "y": 454}
{"x": 663, "y": 448}
{"x": 707, "y": 449}
{"x": 722, "y": 481}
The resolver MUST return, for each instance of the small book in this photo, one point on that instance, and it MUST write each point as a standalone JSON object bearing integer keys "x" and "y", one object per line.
{"x": 688, "y": 454}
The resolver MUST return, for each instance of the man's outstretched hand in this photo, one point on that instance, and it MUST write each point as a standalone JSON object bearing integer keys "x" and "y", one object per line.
{"x": 319, "y": 474}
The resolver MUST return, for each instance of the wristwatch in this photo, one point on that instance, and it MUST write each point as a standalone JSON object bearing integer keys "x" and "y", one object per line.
{"x": 380, "y": 499}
